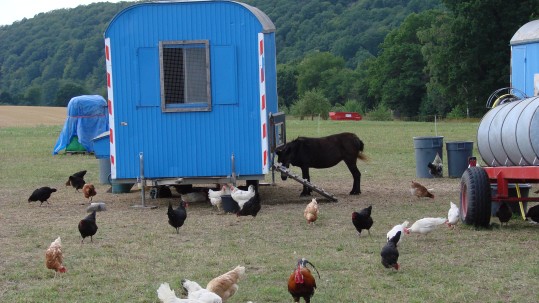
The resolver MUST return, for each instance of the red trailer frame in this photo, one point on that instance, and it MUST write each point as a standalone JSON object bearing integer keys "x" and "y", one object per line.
{"x": 475, "y": 189}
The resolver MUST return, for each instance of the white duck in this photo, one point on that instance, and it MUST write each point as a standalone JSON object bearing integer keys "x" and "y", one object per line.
{"x": 403, "y": 228}
{"x": 242, "y": 196}
{"x": 426, "y": 225}
{"x": 452, "y": 215}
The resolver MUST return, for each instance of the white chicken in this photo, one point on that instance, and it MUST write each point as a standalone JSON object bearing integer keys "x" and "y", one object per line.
{"x": 194, "y": 197}
{"x": 215, "y": 196}
{"x": 452, "y": 215}
{"x": 167, "y": 295}
{"x": 196, "y": 292}
{"x": 403, "y": 228}
{"x": 426, "y": 225}
{"x": 242, "y": 196}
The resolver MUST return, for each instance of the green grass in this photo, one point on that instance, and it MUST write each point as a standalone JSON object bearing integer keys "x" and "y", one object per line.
{"x": 135, "y": 250}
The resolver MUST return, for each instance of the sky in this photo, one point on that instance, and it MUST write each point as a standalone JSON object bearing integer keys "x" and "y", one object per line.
{"x": 16, "y": 10}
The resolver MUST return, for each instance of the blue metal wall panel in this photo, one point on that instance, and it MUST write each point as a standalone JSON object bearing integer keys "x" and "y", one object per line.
{"x": 187, "y": 144}
{"x": 524, "y": 65}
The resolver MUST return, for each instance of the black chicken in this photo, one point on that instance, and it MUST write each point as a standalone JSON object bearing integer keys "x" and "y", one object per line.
{"x": 362, "y": 220}
{"x": 251, "y": 207}
{"x": 87, "y": 227}
{"x": 504, "y": 213}
{"x": 41, "y": 194}
{"x": 533, "y": 214}
{"x": 436, "y": 167}
{"x": 390, "y": 254}
{"x": 176, "y": 217}
{"x": 79, "y": 174}
{"x": 76, "y": 182}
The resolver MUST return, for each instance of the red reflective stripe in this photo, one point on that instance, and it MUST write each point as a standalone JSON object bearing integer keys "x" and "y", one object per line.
{"x": 262, "y": 75}
{"x": 110, "y": 107}
{"x": 265, "y": 156}
{"x": 261, "y": 47}
{"x": 108, "y": 80}
{"x": 263, "y": 102}
{"x": 107, "y": 56}
{"x": 112, "y": 159}
{"x": 111, "y": 136}
{"x": 264, "y": 131}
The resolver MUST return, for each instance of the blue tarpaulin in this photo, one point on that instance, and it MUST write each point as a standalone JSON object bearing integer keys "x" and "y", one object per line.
{"x": 86, "y": 118}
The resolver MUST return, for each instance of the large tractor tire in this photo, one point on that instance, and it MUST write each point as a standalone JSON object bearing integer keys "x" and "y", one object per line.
{"x": 475, "y": 197}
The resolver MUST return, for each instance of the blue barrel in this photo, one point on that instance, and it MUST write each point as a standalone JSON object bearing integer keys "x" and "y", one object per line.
{"x": 458, "y": 153}
{"x": 426, "y": 149}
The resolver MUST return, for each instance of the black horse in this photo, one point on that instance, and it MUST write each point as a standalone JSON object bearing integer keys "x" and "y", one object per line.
{"x": 323, "y": 152}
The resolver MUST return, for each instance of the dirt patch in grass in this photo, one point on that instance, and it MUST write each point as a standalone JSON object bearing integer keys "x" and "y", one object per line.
{"x": 15, "y": 116}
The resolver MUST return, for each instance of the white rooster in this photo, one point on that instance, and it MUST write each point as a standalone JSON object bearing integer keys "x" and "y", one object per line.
{"x": 426, "y": 225}
{"x": 452, "y": 215}
{"x": 167, "y": 295}
{"x": 215, "y": 196}
{"x": 242, "y": 196}
{"x": 196, "y": 292}
{"x": 403, "y": 228}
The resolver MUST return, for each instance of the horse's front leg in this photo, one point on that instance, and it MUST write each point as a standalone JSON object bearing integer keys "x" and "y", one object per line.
{"x": 305, "y": 174}
{"x": 356, "y": 188}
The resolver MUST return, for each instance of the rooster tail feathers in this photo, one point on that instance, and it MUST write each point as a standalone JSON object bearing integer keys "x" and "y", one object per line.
{"x": 304, "y": 262}
{"x": 165, "y": 294}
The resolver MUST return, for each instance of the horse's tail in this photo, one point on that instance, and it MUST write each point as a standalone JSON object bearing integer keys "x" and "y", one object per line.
{"x": 360, "y": 155}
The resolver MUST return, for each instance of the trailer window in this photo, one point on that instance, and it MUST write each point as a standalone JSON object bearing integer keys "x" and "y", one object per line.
{"x": 185, "y": 76}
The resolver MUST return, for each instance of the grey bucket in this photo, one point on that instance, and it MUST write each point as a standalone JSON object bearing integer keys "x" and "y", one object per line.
{"x": 426, "y": 149}
{"x": 229, "y": 205}
{"x": 458, "y": 153}
{"x": 104, "y": 170}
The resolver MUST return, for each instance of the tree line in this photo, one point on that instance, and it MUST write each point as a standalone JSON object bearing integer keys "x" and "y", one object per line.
{"x": 408, "y": 57}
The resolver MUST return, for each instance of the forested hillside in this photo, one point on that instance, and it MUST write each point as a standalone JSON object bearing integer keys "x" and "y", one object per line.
{"x": 404, "y": 58}
{"x": 47, "y": 59}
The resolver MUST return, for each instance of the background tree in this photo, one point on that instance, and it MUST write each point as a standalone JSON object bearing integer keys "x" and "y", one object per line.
{"x": 396, "y": 77}
{"x": 469, "y": 57}
{"x": 67, "y": 91}
{"x": 311, "y": 103}
{"x": 287, "y": 77}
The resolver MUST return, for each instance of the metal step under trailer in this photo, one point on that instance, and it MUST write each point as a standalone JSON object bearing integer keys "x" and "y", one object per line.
{"x": 286, "y": 171}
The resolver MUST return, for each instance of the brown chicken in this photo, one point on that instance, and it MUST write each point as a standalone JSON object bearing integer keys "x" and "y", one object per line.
{"x": 54, "y": 258}
{"x": 301, "y": 283}
{"x": 420, "y": 191}
{"x": 311, "y": 211}
{"x": 89, "y": 191}
{"x": 226, "y": 284}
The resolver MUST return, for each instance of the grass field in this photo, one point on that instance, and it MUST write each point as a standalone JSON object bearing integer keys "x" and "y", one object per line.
{"x": 135, "y": 250}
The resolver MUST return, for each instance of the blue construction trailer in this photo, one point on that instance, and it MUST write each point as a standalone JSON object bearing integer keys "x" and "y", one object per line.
{"x": 192, "y": 87}
{"x": 525, "y": 59}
